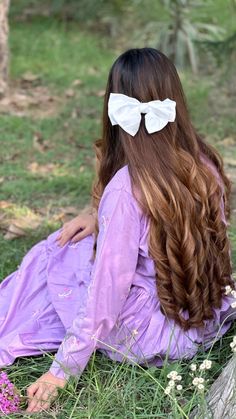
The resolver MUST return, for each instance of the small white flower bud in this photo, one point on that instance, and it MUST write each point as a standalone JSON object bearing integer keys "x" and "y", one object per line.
{"x": 228, "y": 289}
{"x": 208, "y": 364}
{"x": 195, "y": 381}
{"x": 193, "y": 367}
{"x": 172, "y": 375}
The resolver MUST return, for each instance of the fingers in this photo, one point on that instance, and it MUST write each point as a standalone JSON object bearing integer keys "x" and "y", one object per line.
{"x": 66, "y": 235}
{"x": 42, "y": 398}
{"x": 33, "y": 396}
{"x": 31, "y": 390}
{"x": 35, "y": 401}
{"x": 81, "y": 235}
{"x": 43, "y": 401}
{"x": 76, "y": 229}
{"x": 62, "y": 239}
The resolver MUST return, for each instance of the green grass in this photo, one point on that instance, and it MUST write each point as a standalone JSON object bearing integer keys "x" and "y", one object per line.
{"x": 60, "y": 56}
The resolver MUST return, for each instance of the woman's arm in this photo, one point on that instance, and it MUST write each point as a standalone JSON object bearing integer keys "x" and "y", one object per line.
{"x": 112, "y": 276}
{"x": 84, "y": 224}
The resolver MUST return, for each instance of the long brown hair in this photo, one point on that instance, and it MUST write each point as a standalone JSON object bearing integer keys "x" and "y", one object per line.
{"x": 179, "y": 192}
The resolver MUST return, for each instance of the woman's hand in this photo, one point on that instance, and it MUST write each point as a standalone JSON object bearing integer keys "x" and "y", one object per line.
{"x": 83, "y": 222}
{"x": 42, "y": 393}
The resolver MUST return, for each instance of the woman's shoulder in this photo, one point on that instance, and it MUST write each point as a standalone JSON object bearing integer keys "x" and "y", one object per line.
{"x": 120, "y": 181}
{"x": 120, "y": 187}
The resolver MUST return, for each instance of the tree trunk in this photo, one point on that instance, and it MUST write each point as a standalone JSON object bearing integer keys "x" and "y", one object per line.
{"x": 221, "y": 399}
{"x": 4, "y": 53}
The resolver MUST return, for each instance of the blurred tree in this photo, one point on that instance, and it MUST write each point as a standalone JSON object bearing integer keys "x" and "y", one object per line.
{"x": 4, "y": 53}
{"x": 178, "y": 36}
{"x": 84, "y": 9}
{"x": 103, "y": 15}
{"x": 179, "y": 29}
{"x": 223, "y": 50}
{"x": 104, "y": 12}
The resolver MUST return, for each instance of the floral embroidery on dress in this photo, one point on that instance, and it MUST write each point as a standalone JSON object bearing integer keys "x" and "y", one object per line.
{"x": 104, "y": 221}
{"x": 69, "y": 344}
{"x": 67, "y": 292}
{"x": 35, "y": 312}
{"x": 73, "y": 245}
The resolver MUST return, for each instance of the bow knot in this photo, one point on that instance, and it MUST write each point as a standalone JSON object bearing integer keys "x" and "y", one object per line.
{"x": 126, "y": 112}
{"x": 143, "y": 108}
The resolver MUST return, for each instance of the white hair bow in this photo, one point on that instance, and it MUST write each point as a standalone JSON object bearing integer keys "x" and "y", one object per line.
{"x": 126, "y": 112}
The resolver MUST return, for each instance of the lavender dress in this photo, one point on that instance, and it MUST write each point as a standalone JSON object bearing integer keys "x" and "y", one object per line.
{"x": 59, "y": 300}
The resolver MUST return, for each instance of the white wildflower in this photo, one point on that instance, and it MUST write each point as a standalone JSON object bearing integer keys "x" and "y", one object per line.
{"x": 167, "y": 390}
{"x": 233, "y": 344}
{"x": 200, "y": 387}
{"x": 178, "y": 378}
{"x": 233, "y": 293}
{"x": 197, "y": 380}
{"x": 179, "y": 387}
{"x": 208, "y": 364}
{"x": 205, "y": 365}
{"x": 172, "y": 375}
{"x": 171, "y": 383}
{"x": 228, "y": 290}
{"x": 233, "y": 305}
{"x": 193, "y": 367}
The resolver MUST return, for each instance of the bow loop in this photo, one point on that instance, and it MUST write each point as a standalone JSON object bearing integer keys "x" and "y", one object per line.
{"x": 126, "y": 112}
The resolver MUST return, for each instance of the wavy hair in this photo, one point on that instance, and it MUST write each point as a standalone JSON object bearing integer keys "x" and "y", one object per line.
{"x": 183, "y": 190}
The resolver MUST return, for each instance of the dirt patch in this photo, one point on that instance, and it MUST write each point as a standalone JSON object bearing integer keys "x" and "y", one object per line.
{"x": 15, "y": 223}
{"x": 27, "y": 97}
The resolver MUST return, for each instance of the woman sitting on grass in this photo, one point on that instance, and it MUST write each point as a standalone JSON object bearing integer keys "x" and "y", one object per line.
{"x": 142, "y": 279}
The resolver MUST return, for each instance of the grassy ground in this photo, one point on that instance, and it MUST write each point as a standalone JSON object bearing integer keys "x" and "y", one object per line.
{"x": 59, "y": 147}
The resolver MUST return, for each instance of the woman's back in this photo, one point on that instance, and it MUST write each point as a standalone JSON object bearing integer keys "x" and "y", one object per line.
{"x": 141, "y": 325}
{"x": 147, "y": 125}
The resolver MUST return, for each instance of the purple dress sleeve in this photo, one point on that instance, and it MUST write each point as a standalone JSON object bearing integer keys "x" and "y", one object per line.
{"x": 111, "y": 278}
